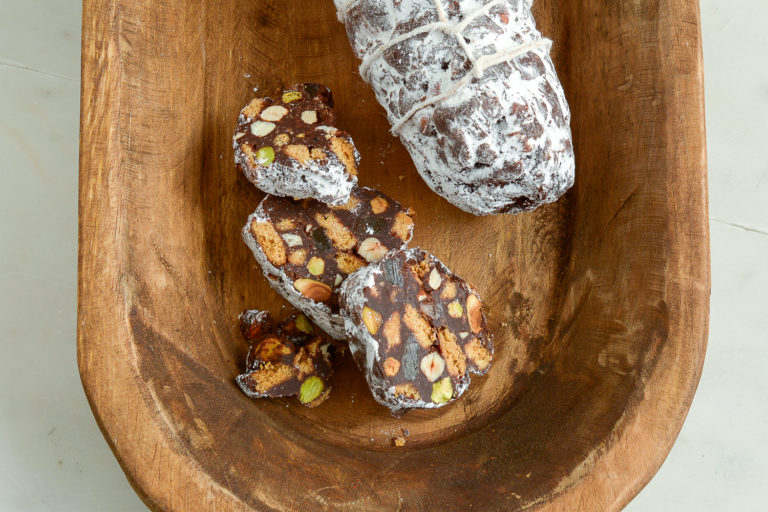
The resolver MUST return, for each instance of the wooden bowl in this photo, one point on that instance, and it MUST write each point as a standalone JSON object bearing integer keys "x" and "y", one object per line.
{"x": 599, "y": 303}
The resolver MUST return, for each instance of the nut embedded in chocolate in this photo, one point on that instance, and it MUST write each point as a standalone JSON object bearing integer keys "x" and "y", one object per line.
{"x": 290, "y": 147}
{"x": 287, "y": 360}
{"x": 421, "y": 355}
{"x": 309, "y": 247}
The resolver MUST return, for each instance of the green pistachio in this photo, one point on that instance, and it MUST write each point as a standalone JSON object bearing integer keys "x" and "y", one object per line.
{"x": 302, "y": 324}
{"x": 290, "y": 96}
{"x": 442, "y": 391}
{"x": 316, "y": 266}
{"x": 265, "y": 156}
{"x": 455, "y": 309}
{"x": 312, "y": 388}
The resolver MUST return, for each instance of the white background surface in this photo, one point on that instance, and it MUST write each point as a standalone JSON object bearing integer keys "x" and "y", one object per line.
{"x": 52, "y": 455}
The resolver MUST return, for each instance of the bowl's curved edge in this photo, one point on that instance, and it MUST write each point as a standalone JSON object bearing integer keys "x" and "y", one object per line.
{"x": 613, "y": 475}
{"x": 102, "y": 320}
{"x": 107, "y": 367}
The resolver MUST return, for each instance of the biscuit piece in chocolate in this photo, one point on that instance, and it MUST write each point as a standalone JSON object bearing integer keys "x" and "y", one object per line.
{"x": 292, "y": 359}
{"x": 290, "y": 146}
{"x": 416, "y": 330}
{"x": 307, "y": 248}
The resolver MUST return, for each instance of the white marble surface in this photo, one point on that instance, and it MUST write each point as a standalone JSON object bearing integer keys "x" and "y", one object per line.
{"x": 52, "y": 456}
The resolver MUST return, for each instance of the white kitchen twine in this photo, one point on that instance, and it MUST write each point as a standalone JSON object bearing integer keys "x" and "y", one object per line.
{"x": 479, "y": 65}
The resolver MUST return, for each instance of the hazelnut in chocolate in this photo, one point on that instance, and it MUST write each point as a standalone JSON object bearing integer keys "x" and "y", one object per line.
{"x": 292, "y": 359}
{"x": 290, "y": 146}
{"x": 416, "y": 330}
{"x": 307, "y": 248}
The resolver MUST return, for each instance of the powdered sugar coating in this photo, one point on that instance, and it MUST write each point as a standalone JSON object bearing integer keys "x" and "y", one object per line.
{"x": 322, "y": 315}
{"x": 502, "y": 143}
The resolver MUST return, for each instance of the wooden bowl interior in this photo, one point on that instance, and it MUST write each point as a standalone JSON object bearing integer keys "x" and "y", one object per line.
{"x": 575, "y": 291}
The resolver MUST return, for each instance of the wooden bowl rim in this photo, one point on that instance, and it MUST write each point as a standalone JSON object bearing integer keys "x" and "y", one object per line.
{"x": 597, "y": 476}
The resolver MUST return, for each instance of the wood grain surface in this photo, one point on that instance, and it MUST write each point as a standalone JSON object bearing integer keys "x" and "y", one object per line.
{"x": 599, "y": 303}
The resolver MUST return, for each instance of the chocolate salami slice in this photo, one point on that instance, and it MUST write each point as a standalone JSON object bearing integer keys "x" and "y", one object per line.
{"x": 291, "y": 359}
{"x": 290, "y": 146}
{"x": 471, "y": 90}
{"x": 416, "y": 330}
{"x": 307, "y": 248}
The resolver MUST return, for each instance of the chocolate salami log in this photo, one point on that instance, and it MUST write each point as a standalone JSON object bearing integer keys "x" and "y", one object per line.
{"x": 469, "y": 87}
{"x": 291, "y": 359}
{"x": 416, "y": 330}
{"x": 290, "y": 146}
{"x": 307, "y": 249}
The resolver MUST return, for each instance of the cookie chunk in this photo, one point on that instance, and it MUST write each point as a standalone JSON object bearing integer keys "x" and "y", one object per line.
{"x": 481, "y": 110}
{"x": 415, "y": 329}
{"x": 307, "y": 248}
{"x": 290, "y": 146}
{"x": 291, "y": 359}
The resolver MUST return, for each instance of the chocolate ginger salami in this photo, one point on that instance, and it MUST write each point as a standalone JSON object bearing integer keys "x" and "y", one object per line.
{"x": 289, "y": 146}
{"x": 307, "y": 248}
{"x": 415, "y": 329}
{"x": 290, "y": 359}
{"x": 470, "y": 89}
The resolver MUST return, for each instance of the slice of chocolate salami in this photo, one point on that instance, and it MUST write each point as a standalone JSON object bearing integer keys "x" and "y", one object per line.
{"x": 292, "y": 359}
{"x": 307, "y": 249}
{"x": 416, "y": 330}
{"x": 290, "y": 146}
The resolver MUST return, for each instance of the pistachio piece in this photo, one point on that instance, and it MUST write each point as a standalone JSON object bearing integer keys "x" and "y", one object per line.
{"x": 311, "y": 389}
{"x": 435, "y": 280}
{"x": 432, "y": 366}
{"x": 291, "y": 240}
{"x": 338, "y": 280}
{"x": 442, "y": 391}
{"x": 265, "y": 156}
{"x": 316, "y": 266}
{"x": 309, "y": 116}
{"x": 371, "y": 319}
{"x": 274, "y": 113}
{"x": 262, "y": 128}
{"x": 372, "y": 250}
{"x": 455, "y": 309}
{"x": 463, "y": 335}
{"x": 474, "y": 313}
{"x": 391, "y": 366}
{"x": 239, "y": 135}
{"x": 289, "y": 96}
{"x": 302, "y": 324}
{"x": 312, "y": 289}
